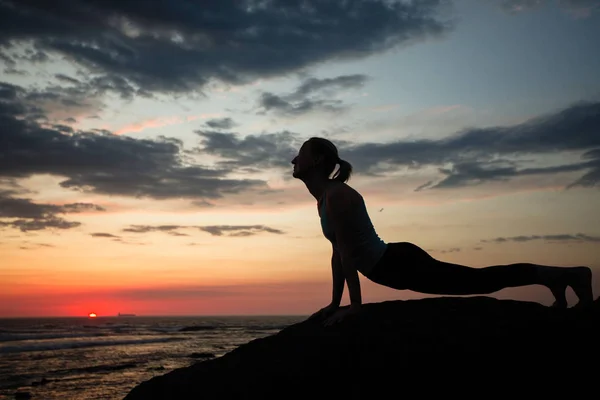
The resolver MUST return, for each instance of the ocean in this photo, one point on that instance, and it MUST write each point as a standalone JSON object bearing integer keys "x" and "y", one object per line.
{"x": 105, "y": 357}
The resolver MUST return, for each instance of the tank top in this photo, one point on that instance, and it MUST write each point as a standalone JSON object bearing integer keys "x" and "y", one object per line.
{"x": 367, "y": 247}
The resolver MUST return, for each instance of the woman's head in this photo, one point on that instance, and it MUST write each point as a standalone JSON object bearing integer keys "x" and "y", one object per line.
{"x": 318, "y": 156}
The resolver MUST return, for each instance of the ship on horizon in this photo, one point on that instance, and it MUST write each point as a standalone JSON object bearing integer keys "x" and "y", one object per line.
{"x": 125, "y": 315}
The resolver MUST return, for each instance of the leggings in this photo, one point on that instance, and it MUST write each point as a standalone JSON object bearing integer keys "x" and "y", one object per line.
{"x": 405, "y": 266}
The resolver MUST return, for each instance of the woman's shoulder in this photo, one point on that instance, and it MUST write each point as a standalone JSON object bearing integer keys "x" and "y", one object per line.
{"x": 342, "y": 195}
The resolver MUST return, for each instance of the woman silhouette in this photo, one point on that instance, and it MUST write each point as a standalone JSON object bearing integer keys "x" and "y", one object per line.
{"x": 403, "y": 265}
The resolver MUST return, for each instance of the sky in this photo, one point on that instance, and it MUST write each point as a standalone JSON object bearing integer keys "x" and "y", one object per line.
{"x": 145, "y": 152}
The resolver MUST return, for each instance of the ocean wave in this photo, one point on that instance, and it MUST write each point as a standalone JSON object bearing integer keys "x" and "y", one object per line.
{"x": 196, "y": 328}
{"x": 168, "y": 329}
{"x": 12, "y": 337}
{"x": 96, "y": 368}
{"x": 107, "y": 325}
{"x": 265, "y": 327}
{"x": 59, "y": 345}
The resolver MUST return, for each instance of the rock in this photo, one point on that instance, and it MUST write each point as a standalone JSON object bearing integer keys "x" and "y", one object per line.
{"x": 436, "y": 344}
{"x": 22, "y": 395}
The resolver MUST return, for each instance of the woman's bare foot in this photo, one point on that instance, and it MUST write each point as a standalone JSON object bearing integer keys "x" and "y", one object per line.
{"x": 578, "y": 278}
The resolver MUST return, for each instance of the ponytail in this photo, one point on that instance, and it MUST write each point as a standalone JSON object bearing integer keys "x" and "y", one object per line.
{"x": 329, "y": 152}
{"x": 344, "y": 172}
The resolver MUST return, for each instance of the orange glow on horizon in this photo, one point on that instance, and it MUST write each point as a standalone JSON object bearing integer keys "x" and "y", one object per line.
{"x": 92, "y": 315}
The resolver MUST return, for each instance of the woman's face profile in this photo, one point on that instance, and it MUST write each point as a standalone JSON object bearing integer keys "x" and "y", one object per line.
{"x": 303, "y": 162}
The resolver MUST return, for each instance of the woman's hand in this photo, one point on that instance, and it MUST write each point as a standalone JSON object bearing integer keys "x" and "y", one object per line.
{"x": 341, "y": 314}
{"x": 325, "y": 311}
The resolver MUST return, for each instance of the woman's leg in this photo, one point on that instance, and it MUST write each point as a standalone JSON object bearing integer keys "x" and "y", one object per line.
{"x": 407, "y": 266}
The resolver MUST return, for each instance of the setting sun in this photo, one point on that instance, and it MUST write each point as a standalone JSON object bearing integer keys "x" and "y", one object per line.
{"x": 92, "y": 315}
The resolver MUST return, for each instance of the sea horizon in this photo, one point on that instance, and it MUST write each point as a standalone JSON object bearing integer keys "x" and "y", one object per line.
{"x": 157, "y": 316}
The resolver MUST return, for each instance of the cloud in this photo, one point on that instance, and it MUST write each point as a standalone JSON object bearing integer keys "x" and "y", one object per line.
{"x": 34, "y": 246}
{"x": 101, "y": 162}
{"x": 268, "y": 150}
{"x": 578, "y": 237}
{"x": 157, "y": 123}
{"x": 479, "y": 155}
{"x": 238, "y": 230}
{"x": 577, "y": 8}
{"x": 170, "y": 229}
{"x": 472, "y": 156}
{"x": 11, "y": 207}
{"x": 215, "y": 230}
{"x": 220, "y": 123}
{"x": 177, "y": 46}
{"x": 473, "y": 173}
{"x": 68, "y": 99}
{"x": 25, "y": 215}
{"x": 311, "y": 96}
{"x": 149, "y": 124}
{"x": 104, "y": 235}
{"x": 445, "y": 251}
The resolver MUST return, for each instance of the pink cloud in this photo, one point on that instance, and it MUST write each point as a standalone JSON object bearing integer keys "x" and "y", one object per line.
{"x": 160, "y": 122}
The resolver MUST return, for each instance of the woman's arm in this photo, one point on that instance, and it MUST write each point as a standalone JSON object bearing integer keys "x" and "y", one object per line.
{"x": 338, "y": 278}
{"x": 339, "y": 208}
{"x": 353, "y": 281}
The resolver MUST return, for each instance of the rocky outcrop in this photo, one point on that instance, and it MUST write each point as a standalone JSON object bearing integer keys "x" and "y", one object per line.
{"x": 391, "y": 346}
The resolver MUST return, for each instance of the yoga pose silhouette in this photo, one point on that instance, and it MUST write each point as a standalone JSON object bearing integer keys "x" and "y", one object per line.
{"x": 403, "y": 265}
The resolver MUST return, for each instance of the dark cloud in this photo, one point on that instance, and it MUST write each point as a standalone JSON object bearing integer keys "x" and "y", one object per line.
{"x": 26, "y": 225}
{"x": 7, "y": 60}
{"x": 579, "y": 237}
{"x": 32, "y": 246}
{"x": 312, "y": 95}
{"x": 101, "y": 162}
{"x": 238, "y": 230}
{"x": 473, "y": 173}
{"x": 591, "y": 178}
{"x": 220, "y": 123}
{"x": 446, "y": 251}
{"x": 11, "y": 207}
{"x": 25, "y": 215}
{"x": 469, "y": 157}
{"x": 114, "y": 238}
{"x": 51, "y": 103}
{"x": 170, "y": 229}
{"x": 215, "y": 230}
{"x": 479, "y": 155}
{"x": 67, "y": 79}
{"x": 269, "y": 150}
{"x": 104, "y": 235}
{"x": 177, "y": 46}
{"x": 271, "y": 102}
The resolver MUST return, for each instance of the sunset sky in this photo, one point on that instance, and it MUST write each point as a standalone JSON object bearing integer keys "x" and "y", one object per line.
{"x": 145, "y": 151}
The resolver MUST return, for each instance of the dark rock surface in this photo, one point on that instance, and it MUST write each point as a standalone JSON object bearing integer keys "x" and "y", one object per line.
{"x": 395, "y": 345}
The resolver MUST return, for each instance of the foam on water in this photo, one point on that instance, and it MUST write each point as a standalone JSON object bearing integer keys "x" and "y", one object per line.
{"x": 30, "y": 345}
